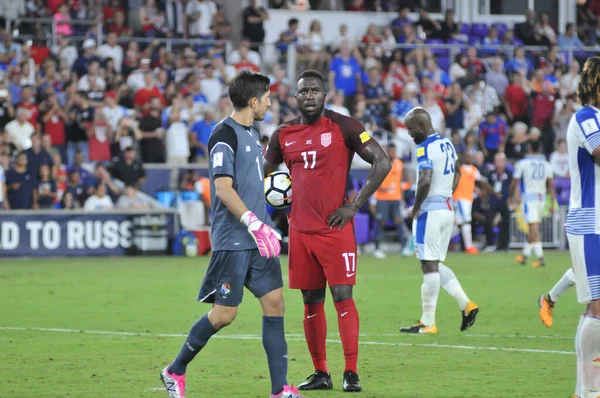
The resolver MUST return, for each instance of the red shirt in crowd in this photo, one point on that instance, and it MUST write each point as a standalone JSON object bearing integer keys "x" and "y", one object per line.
{"x": 247, "y": 65}
{"x": 39, "y": 54}
{"x": 55, "y": 128}
{"x": 144, "y": 95}
{"x": 34, "y": 113}
{"x": 53, "y": 5}
{"x": 517, "y": 100}
{"x": 543, "y": 109}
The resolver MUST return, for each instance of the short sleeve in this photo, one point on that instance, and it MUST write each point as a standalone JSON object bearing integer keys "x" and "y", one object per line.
{"x": 274, "y": 154}
{"x": 423, "y": 161}
{"x": 334, "y": 65}
{"x": 587, "y": 119}
{"x": 518, "y": 170}
{"x": 222, "y": 146}
{"x": 354, "y": 132}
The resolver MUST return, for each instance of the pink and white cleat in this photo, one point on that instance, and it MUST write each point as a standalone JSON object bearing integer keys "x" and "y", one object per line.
{"x": 174, "y": 384}
{"x": 288, "y": 392}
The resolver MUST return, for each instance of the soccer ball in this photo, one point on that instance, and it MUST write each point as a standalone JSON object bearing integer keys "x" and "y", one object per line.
{"x": 278, "y": 189}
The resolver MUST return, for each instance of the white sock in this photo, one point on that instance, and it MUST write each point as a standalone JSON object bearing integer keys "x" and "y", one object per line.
{"x": 589, "y": 344}
{"x": 578, "y": 350}
{"x": 567, "y": 280}
{"x": 538, "y": 250}
{"x": 452, "y": 286}
{"x": 527, "y": 248}
{"x": 430, "y": 290}
{"x": 467, "y": 235}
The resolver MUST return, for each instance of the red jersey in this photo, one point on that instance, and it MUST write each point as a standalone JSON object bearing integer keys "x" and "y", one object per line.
{"x": 33, "y": 113}
{"x": 55, "y": 128}
{"x": 144, "y": 95}
{"x": 517, "y": 100}
{"x": 543, "y": 110}
{"x": 318, "y": 156}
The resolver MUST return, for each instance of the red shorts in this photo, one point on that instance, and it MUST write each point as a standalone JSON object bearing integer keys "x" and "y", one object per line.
{"x": 318, "y": 259}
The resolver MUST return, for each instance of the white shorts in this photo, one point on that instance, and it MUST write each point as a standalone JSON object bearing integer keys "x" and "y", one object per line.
{"x": 462, "y": 211}
{"x": 533, "y": 211}
{"x": 585, "y": 256}
{"x": 432, "y": 231}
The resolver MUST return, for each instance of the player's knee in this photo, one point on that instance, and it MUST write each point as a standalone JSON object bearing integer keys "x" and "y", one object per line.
{"x": 221, "y": 316}
{"x": 313, "y": 296}
{"x": 594, "y": 308}
{"x": 341, "y": 293}
{"x": 429, "y": 266}
{"x": 273, "y": 304}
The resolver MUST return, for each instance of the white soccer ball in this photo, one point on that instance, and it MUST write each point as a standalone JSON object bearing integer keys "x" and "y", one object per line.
{"x": 278, "y": 189}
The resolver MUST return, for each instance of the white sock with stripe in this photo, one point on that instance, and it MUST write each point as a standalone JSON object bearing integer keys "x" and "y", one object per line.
{"x": 538, "y": 250}
{"x": 579, "y": 359}
{"x": 567, "y": 280}
{"x": 453, "y": 286}
{"x": 430, "y": 290}
{"x": 467, "y": 235}
{"x": 527, "y": 248}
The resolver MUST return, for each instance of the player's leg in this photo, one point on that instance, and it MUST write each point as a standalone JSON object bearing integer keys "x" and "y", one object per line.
{"x": 579, "y": 377}
{"x": 336, "y": 252}
{"x": 466, "y": 208}
{"x": 585, "y": 253}
{"x": 381, "y": 217}
{"x": 307, "y": 275}
{"x": 396, "y": 216}
{"x": 547, "y": 301}
{"x": 264, "y": 280}
{"x": 538, "y": 249}
{"x": 223, "y": 286}
{"x": 528, "y": 211}
{"x": 426, "y": 229}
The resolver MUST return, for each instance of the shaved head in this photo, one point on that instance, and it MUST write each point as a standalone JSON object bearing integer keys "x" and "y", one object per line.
{"x": 418, "y": 124}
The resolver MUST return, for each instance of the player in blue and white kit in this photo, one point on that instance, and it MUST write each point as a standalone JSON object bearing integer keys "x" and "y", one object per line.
{"x": 534, "y": 177}
{"x": 583, "y": 225}
{"x": 433, "y": 220}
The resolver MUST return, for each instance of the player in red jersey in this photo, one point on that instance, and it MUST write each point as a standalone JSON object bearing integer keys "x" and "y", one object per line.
{"x": 318, "y": 148}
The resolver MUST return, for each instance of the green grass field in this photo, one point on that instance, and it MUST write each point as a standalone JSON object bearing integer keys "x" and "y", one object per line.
{"x": 117, "y": 321}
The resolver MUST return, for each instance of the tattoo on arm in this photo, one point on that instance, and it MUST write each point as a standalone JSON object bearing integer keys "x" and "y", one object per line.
{"x": 380, "y": 167}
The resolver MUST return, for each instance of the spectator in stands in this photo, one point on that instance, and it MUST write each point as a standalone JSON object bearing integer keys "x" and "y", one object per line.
{"x": 520, "y": 63}
{"x": 99, "y": 200}
{"x": 500, "y": 180}
{"x": 99, "y": 137}
{"x": 570, "y": 39}
{"x": 376, "y": 97}
{"x": 119, "y": 27}
{"x": 458, "y": 69}
{"x": 177, "y": 140}
{"x": 482, "y": 99}
{"x": 4, "y": 166}
{"x": 546, "y": 30}
{"x": 151, "y": 19}
{"x": 430, "y": 27}
{"x": 508, "y": 39}
{"x": 345, "y": 75}
{"x": 570, "y": 81}
{"x": 220, "y": 26}
{"x": 79, "y": 115}
{"x": 37, "y": 156}
{"x": 132, "y": 199}
{"x": 496, "y": 77}
{"x": 516, "y": 145}
{"x": 65, "y": 52}
{"x": 337, "y": 103}
{"x": 80, "y": 67}
{"x": 143, "y": 97}
{"x": 10, "y": 52}
{"x": 493, "y": 133}
{"x": 357, "y": 5}
{"x": 516, "y": 102}
{"x": 475, "y": 66}
{"x": 254, "y": 17}
{"x": 528, "y": 32}
{"x": 450, "y": 28}
{"x": 68, "y": 201}
{"x": 211, "y": 87}
{"x": 199, "y": 15}
{"x": 432, "y": 106}
{"x": 7, "y": 110}
{"x": 92, "y": 82}
{"x": 62, "y": 20}
{"x": 417, "y": 53}
{"x": 559, "y": 160}
{"x": 19, "y": 131}
{"x": 113, "y": 111}
{"x": 400, "y": 21}
{"x": 200, "y": 133}
{"x": 78, "y": 167}
{"x": 111, "y": 49}
{"x": 20, "y": 184}
{"x": 53, "y": 121}
{"x": 542, "y": 106}
{"x": 128, "y": 169}
{"x": 28, "y": 103}
{"x": 319, "y": 58}
{"x": 45, "y": 191}
{"x": 455, "y": 108}
{"x": 127, "y": 135}
{"x": 492, "y": 38}
{"x": 564, "y": 110}
{"x": 151, "y": 144}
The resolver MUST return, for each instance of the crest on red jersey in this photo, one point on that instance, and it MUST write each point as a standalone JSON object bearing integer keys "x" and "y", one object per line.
{"x": 326, "y": 139}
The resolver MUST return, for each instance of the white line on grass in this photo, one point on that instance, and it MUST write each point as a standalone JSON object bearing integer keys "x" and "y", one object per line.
{"x": 256, "y": 337}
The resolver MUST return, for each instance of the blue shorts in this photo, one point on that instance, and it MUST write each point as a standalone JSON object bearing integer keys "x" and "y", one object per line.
{"x": 229, "y": 271}
{"x": 388, "y": 210}
{"x": 585, "y": 256}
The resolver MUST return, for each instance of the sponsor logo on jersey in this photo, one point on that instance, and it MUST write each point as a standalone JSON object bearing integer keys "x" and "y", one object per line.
{"x": 326, "y": 139}
{"x": 420, "y": 152}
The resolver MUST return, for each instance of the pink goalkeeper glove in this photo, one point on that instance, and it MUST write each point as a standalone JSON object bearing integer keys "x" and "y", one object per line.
{"x": 265, "y": 237}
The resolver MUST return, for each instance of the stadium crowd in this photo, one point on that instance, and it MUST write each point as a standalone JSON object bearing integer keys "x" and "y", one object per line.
{"x": 123, "y": 104}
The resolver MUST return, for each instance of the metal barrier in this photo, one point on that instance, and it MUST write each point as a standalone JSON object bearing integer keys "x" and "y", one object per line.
{"x": 552, "y": 230}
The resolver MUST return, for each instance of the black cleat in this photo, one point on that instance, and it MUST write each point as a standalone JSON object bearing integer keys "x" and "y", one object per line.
{"x": 351, "y": 382}
{"x": 469, "y": 315}
{"x": 317, "y": 381}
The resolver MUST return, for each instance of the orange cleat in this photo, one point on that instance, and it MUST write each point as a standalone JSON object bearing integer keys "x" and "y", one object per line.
{"x": 538, "y": 263}
{"x": 546, "y": 308}
{"x": 471, "y": 250}
{"x": 521, "y": 259}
